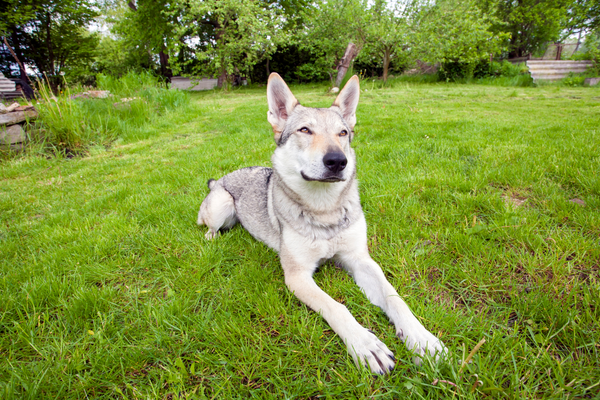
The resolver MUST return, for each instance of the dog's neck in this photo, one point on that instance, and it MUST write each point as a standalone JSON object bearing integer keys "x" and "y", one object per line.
{"x": 316, "y": 209}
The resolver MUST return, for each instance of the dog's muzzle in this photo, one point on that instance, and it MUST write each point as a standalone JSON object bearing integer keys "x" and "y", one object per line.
{"x": 335, "y": 162}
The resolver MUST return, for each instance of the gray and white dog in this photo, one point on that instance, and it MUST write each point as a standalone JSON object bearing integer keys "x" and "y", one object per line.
{"x": 307, "y": 208}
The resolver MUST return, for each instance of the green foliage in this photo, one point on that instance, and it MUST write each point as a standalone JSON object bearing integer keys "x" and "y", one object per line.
{"x": 454, "y": 31}
{"x": 146, "y": 30}
{"x": 454, "y": 71}
{"x": 72, "y": 125}
{"x": 233, "y": 36}
{"x": 592, "y": 43}
{"x": 119, "y": 56}
{"x": 572, "y": 80}
{"x": 388, "y": 32}
{"x": 530, "y": 24}
{"x": 52, "y": 36}
{"x": 312, "y": 72}
{"x": 329, "y": 26}
{"x": 583, "y": 16}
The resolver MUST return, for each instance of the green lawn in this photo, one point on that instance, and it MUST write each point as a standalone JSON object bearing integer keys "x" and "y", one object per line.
{"x": 109, "y": 289}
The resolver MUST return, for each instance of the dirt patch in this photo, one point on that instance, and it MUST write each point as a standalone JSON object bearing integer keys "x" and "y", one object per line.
{"x": 514, "y": 199}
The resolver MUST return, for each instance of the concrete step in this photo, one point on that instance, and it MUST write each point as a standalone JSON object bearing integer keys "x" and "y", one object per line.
{"x": 552, "y": 70}
{"x": 555, "y": 71}
{"x": 559, "y": 62}
{"x": 549, "y": 77}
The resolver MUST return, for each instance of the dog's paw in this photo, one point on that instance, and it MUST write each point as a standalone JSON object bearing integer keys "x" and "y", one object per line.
{"x": 211, "y": 234}
{"x": 422, "y": 342}
{"x": 368, "y": 351}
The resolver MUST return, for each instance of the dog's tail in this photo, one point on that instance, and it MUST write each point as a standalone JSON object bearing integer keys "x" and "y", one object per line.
{"x": 211, "y": 183}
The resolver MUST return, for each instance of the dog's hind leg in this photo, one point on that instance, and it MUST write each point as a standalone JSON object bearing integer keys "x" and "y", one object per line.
{"x": 217, "y": 210}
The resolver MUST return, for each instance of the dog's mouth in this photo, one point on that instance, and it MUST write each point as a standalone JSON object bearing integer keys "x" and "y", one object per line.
{"x": 328, "y": 179}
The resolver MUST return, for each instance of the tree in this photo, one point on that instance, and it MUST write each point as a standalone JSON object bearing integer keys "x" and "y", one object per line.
{"x": 389, "y": 30}
{"x": 226, "y": 36}
{"x": 329, "y": 27}
{"x": 583, "y": 16}
{"x": 456, "y": 31}
{"x": 149, "y": 26}
{"x": 530, "y": 23}
{"x": 50, "y": 35}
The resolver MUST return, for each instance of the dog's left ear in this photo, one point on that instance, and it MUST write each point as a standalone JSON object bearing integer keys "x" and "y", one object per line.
{"x": 347, "y": 101}
{"x": 281, "y": 103}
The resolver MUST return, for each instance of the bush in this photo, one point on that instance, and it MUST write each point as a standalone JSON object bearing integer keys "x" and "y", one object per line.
{"x": 455, "y": 71}
{"x": 572, "y": 80}
{"x": 70, "y": 125}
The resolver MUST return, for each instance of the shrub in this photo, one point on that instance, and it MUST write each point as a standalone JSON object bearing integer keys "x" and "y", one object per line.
{"x": 456, "y": 71}
{"x": 573, "y": 80}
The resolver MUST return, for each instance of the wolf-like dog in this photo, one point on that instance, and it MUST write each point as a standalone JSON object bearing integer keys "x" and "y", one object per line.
{"x": 307, "y": 209}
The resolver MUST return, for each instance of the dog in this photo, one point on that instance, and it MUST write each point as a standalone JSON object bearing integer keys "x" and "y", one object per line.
{"x": 307, "y": 208}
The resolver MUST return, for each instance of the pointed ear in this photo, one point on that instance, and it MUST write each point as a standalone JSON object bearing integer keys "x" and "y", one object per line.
{"x": 281, "y": 103}
{"x": 347, "y": 101}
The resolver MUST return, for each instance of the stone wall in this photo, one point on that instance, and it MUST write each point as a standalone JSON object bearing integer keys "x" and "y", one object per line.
{"x": 12, "y": 132}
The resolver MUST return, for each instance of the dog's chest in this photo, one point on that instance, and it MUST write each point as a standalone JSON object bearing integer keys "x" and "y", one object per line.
{"x": 313, "y": 250}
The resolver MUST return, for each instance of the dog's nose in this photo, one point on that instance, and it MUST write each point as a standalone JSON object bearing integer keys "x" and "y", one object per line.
{"x": 335, "y": 161}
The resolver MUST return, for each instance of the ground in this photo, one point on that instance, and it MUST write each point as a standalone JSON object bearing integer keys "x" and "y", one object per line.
{"x": 483, "y": 210}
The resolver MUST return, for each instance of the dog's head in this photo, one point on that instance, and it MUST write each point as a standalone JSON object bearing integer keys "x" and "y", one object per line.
{"x": 313, "y": 144}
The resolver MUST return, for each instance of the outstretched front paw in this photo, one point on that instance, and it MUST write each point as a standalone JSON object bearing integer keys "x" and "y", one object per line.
{"x": 367, "y": 350}
{"x": 422, "y": 342}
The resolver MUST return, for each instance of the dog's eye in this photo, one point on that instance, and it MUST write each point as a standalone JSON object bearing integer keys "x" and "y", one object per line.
{"x": 305, "y": 130}
{"x": 343, "y": 133}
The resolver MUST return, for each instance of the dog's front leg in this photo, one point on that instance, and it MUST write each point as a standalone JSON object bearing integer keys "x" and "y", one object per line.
{"x": 369, "y": 276}
{"x": 363, "y": 346}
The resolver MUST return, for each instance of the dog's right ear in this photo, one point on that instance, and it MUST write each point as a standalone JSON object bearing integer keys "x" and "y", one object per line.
{"x": 281, "y": 103}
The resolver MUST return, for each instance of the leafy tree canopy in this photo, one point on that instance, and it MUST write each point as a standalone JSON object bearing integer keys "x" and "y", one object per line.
{"x": 51, "y": 36}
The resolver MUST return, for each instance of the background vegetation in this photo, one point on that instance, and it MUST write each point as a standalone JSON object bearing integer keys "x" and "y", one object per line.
{"x": 304, "y": 41}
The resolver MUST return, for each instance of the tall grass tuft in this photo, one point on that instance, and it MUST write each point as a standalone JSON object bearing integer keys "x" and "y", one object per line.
{"x": 70, "y": 125}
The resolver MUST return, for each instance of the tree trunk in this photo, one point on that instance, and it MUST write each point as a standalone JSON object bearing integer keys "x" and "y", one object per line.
{"x": 49, "y": 45}
{"x": 559, "y": 49}
{"x": 386, "y": 64}
{"x": 164, "y": 65}
{"x": 222, "y": 79}
{"x": 344, "y": 63}
{"x": 578, "y": 42}
{"x": 268, "y": 71}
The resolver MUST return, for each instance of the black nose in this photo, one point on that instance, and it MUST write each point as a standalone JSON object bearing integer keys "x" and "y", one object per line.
{"x": 335, "y": 161}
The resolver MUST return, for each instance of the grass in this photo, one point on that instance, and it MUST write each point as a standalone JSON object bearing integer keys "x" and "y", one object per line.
{"x": 70, "y": 127}
{"x": 108, "y": 289}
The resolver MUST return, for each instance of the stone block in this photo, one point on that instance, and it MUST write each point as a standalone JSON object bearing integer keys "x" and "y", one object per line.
{"x": 17, "y": 116}
{"x": 591, "y": 81}
{"x": 12, "y": 134}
